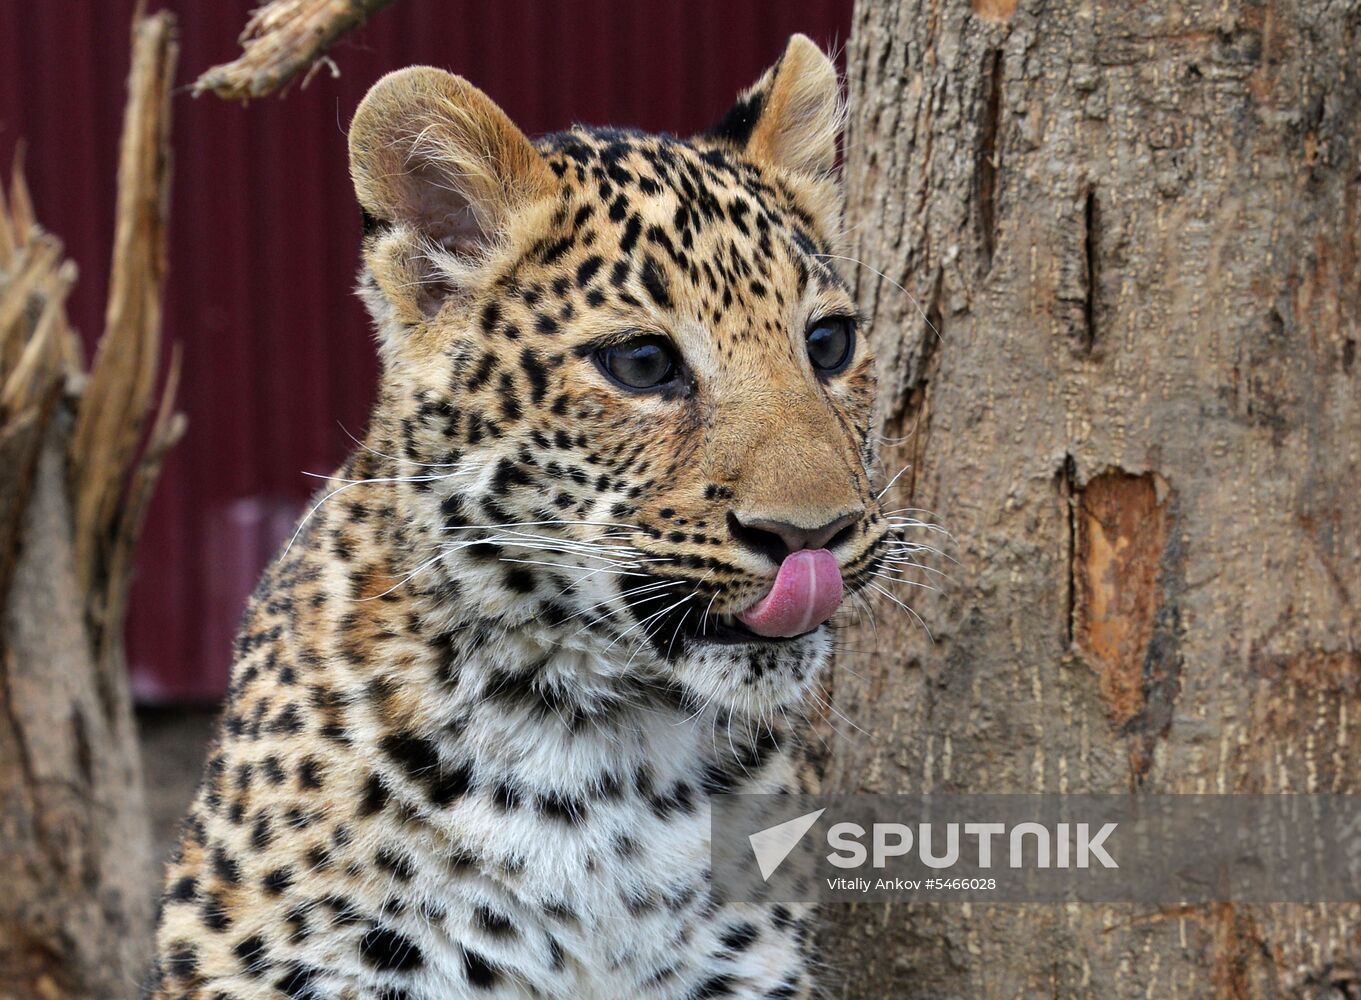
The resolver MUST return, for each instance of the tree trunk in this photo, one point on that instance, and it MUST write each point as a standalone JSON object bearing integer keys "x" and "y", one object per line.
{"x": 1135, "y": 227}
{"x": 75, "y": 476}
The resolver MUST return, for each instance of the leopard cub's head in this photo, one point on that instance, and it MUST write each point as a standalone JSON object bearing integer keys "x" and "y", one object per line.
{"x": 623, "y": 378}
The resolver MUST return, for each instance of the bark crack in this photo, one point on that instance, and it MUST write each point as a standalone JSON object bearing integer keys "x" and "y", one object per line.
{"x": 989, "y": 158}
{"x": 1091, "y": 220}
{"x": 1067, "y": 478}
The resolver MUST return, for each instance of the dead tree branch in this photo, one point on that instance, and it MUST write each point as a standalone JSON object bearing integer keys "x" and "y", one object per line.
{"x": 77, "y": 466}
{"x": 282, "y": 39}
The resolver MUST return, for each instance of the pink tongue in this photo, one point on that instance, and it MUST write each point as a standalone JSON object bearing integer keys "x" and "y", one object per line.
{"x": 806, "y": 592}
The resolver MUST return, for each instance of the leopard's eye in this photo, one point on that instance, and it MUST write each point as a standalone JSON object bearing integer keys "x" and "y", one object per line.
{"x": 831, "y": 344}
{"x": 643, "y": 363}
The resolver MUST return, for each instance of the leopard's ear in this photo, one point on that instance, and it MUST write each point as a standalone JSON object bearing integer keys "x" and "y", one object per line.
{"x": 792, "y": 117}
{"x": 435, "y": 160}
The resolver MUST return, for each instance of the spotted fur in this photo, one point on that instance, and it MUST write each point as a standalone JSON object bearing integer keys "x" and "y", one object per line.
{"x": 480, "y": 702}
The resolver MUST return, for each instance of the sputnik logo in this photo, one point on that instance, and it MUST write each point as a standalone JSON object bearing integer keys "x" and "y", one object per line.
{"x": 773, "y": 844}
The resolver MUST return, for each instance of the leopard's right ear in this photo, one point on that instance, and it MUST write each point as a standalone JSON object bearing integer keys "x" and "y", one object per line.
{"x": 442, "y": 172}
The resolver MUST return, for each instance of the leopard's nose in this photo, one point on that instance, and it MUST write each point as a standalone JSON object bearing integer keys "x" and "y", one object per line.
{"x": 775, "y": 538}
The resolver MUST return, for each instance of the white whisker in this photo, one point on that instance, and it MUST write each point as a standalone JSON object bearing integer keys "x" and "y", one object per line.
{"x": 911, "y": 297}
{"x": 881, "y": 590}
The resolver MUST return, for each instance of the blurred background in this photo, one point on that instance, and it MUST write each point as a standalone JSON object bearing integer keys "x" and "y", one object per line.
{"x": 278, "y": 361}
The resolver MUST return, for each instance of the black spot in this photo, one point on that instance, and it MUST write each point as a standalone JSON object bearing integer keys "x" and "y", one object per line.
{"x": 318, "y": 859}
{"x": 275, "y": 883}
{"x": 346, "y": 914}
{"x": 563, "y": 808}
{"x": 587, "y": 269}
{"x": 495, "y": 924}
{"x": 485, "y": 367}
{"x": 309, "y": 773}
{"x": 182, "y": 961}
{"x": 296, "y": 983}
{"x": 416, "y": 754}
{"x": 721, "y": 985}
{"x": 375, "y": 796}
{"x": 398, "y": 864}
{"x": 520, "y": 580}
{"x": 488, "y": 551}
{"x": 654, "y": 280}
{"x": 251, "y": 952}
{"x": 479, "y": 971}
{"x": 287, "y": 721}
{"x": 419, "y": 758}
{"x": 508, "y": 474}
{"x": 505, "y": 797}
{"x": 679, "y": 800}
{"x": 536, "y": 372}
{"x": 226, "y": 867}
{"x": 491, "y": 315}
{"x": 740, "y": 937}
{"x": 551, "y": 253}
{"x": 632, "y": 231}
{"x": 386, "y": 950}
{"x": 214, "y": 914}
{"x": 182, "y": 890}
{"x": 560, "y": 911}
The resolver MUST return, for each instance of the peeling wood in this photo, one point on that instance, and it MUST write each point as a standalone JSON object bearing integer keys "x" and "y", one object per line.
{"x": 994, "y": 10}
{"x": 1121, "y": 531}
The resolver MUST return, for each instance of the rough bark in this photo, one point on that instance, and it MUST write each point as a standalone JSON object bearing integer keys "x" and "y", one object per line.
{"x": 77, "y": 464}
{"x": 1135, "y": 226}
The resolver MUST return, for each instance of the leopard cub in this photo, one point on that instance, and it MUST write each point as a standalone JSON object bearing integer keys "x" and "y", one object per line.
{"x": 577, "y": 580}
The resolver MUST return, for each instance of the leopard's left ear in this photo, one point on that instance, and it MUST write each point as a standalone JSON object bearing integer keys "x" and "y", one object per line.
{"x": 792, "y": 117}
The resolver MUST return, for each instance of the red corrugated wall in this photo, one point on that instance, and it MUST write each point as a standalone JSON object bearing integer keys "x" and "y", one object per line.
{"x": 278, "y": 361}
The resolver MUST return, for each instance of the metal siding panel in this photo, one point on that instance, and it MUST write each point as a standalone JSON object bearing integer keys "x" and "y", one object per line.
{"x": 279, "y": 361}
